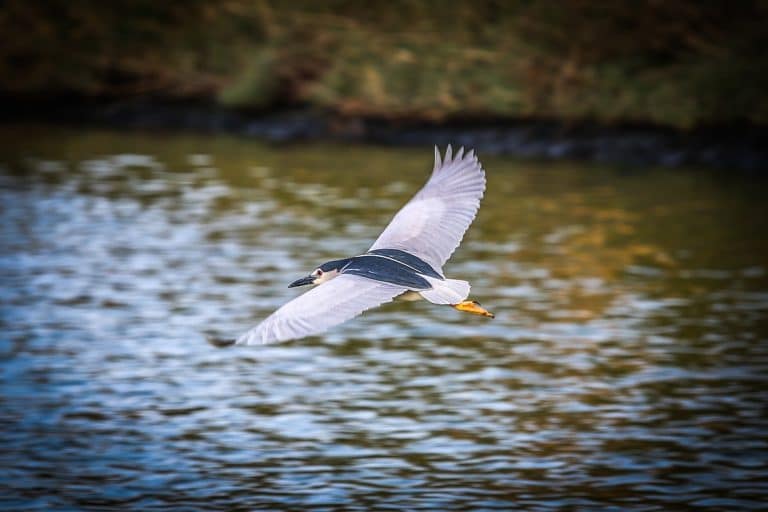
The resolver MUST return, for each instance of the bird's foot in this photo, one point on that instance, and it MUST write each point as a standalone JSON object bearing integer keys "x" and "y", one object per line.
{"x": 472, "y": 306}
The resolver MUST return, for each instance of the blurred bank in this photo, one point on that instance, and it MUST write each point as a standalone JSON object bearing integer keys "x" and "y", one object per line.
{"x": 665, "y": 76}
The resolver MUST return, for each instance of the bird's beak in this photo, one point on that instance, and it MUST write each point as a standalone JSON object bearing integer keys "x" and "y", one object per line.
{"x": 303, "y": 281}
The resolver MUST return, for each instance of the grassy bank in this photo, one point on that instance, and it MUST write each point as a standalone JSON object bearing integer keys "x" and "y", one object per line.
{"x": 672, "y": 63}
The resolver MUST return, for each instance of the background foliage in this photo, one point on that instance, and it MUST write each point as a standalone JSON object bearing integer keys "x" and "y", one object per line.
{"x": 680, "y": 63}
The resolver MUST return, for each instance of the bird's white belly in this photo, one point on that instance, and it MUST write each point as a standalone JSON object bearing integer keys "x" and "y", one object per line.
{"x": 409, "y": 296}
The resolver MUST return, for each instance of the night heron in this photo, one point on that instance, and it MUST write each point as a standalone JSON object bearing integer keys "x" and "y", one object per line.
{"x": 404, "y": 263}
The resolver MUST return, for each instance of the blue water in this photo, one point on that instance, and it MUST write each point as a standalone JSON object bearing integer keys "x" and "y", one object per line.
{"x": 626, "y": 367}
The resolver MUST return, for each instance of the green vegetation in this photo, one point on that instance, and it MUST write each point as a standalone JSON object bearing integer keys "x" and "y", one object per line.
{"x": 678, "y": 63}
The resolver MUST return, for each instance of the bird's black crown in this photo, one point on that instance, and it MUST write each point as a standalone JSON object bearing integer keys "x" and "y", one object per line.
{"x": 334, "y": 265}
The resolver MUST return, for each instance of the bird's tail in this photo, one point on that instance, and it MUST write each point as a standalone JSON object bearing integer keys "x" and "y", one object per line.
{"x": 448, "y": 291}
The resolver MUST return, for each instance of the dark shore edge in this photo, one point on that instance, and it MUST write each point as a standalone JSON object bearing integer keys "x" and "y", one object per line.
{"x": 739, "y": 147}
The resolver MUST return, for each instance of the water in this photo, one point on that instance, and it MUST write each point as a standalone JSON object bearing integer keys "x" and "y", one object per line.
{"x": 625, "y": 369}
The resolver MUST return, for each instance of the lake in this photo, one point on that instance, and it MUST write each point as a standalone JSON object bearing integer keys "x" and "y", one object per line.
{"x": 626, "y": 368}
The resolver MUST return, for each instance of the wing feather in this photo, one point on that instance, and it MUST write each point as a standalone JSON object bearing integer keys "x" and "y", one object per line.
{"x": 432, "y": 224}
{"x": 331, "y": 303}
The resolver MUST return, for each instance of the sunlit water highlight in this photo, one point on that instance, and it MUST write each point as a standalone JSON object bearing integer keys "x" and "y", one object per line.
{"x": 626, "y": 369}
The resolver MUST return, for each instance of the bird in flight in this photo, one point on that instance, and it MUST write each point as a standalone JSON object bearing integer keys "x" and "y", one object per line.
{"x": 404, "y": 263}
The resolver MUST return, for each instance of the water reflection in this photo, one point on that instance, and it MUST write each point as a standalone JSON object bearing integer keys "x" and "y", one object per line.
{"x": 626, "y": 366}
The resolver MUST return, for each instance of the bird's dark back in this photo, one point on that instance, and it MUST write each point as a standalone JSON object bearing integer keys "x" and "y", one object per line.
{"x": 393, "y": 267}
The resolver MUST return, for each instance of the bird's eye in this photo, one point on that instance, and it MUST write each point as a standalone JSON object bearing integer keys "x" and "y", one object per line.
{"x": 319, "y": 272}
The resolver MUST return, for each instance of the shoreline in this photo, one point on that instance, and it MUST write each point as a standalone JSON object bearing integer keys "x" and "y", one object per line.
{"x": 735, "y": 148}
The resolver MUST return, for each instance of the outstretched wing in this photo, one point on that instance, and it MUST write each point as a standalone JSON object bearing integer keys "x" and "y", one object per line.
{"x": 432, "y": 224}
{"x": 331, "y": 303}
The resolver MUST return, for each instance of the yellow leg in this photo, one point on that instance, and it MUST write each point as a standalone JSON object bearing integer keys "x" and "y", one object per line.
{"x": 472, "y": 306}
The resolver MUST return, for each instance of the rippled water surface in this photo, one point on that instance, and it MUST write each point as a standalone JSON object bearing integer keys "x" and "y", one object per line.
{"x": 626, "y": 368}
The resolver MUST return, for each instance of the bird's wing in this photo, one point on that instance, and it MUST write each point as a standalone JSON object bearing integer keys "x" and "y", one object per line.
{"x": 432, "y": 224}
{"x": 331, "y": 303}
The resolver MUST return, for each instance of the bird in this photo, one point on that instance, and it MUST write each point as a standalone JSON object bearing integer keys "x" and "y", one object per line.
{"x": 404, "y": 263}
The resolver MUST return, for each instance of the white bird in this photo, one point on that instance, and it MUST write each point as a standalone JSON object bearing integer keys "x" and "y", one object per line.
{"x": 405, "y": 262}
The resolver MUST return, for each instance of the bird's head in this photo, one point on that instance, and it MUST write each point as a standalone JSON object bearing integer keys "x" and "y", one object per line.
{"x": 321, "y": 274}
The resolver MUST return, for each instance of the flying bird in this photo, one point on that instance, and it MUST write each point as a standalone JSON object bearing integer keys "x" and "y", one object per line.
{"x": 404, "y": 263}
